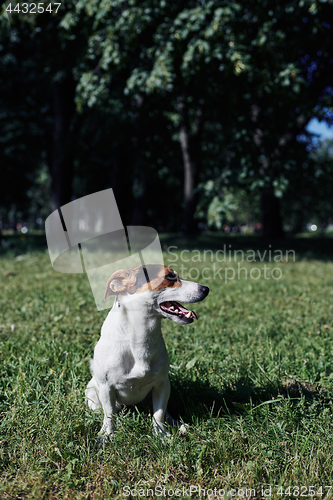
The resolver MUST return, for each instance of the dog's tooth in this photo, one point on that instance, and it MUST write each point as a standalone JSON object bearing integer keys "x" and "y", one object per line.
{"x": 188, "y": 315}
{"x": 172, "y": 308}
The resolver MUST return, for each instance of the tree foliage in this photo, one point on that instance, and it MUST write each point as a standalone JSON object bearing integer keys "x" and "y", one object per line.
{"x": 167, "y": 97}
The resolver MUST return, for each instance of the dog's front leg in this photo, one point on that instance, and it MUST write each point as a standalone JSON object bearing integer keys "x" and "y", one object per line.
{"x": 107, "y": 397}
{"x": 160, "y": 395}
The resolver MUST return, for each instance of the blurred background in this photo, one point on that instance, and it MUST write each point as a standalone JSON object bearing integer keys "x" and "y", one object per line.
{"x": 201, "y": 115}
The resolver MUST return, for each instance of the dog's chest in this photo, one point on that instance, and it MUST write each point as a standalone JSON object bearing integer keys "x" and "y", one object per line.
{"x": 142, "y": 372}
{"x": 132, "y": 359}
{"x": 134, "y": 386}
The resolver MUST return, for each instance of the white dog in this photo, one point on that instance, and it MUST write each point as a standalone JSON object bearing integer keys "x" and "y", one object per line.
{"x": 131, "y": 359}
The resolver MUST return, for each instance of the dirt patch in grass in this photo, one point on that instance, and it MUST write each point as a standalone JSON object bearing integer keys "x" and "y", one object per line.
{"x": 295, "y": 389}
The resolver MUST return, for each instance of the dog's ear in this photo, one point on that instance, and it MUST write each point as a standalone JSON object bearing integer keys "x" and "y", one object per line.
{"x": 123, "y": 280}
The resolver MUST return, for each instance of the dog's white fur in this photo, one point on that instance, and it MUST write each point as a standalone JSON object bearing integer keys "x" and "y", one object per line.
{"x": 131, "y": 359}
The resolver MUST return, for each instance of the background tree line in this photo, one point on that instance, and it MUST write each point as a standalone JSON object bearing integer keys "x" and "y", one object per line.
{"x": 192, "y": 111}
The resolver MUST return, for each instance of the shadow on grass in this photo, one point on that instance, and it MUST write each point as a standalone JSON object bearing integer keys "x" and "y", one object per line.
{"x": 198, "y": 399}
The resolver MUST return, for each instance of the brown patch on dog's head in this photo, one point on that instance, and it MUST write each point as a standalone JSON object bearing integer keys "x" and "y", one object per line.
{"x": 141, "y": 279}
{"x": 160, "y": 277}
{"x": 123, "y": 280}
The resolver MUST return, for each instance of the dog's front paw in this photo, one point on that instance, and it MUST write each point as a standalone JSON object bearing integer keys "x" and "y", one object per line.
{"x": 160, "y": 430}
{"x": 103, "y": 439}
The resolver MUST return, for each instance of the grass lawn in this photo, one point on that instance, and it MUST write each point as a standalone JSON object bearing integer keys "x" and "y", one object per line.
{"x": 252, "y": 378}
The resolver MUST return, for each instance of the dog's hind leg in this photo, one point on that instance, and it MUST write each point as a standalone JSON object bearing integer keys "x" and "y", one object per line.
{"x": 91, "y": 393}
{"x": 175, "y": 423}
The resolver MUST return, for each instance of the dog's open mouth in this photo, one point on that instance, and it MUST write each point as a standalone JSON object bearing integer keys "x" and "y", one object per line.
{"x": 177, "y": 309}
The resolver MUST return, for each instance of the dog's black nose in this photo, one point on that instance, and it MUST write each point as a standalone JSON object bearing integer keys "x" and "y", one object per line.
{"x": 204, "y": 290}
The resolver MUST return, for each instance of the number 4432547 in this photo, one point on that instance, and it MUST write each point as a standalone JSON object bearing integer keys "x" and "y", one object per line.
{"x": 32, "y": 8}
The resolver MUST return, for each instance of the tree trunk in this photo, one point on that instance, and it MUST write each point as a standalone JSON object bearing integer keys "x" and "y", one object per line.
{"x": 139, "y": 217}
{"x": 299, "y": 223}
{"x": 62, "y": 156}
{"x": 115, "y": 182}
{"x": 271, "y": 214}
{"x": 13, "y": 219}
{"x": 189, "y": 181}
{"x": 190, "y": 147}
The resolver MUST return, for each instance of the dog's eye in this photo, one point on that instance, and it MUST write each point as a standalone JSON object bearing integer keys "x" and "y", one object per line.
{"x": 171, "y": 276}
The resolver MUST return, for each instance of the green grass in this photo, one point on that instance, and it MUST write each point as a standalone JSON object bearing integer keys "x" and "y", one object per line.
{"x": 252, "y": 378}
